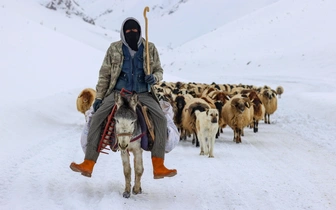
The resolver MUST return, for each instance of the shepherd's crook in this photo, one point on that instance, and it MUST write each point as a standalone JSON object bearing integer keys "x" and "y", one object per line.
{"x": 147, "y": 51}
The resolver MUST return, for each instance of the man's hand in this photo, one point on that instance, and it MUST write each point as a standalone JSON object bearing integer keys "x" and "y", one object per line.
{"x": 150, "y": 79}
{"x": 97, "y": 104}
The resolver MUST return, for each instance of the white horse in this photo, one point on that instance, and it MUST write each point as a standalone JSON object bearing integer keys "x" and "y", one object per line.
{"x": 127, "y": 132}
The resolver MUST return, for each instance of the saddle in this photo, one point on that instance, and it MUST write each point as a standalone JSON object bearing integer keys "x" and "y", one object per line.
{"x": 146, "y": 124}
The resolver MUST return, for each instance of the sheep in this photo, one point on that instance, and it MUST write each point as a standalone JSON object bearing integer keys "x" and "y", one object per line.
{"x": 237, "y": 115}
{"x": 220, "y": 98}
{"x": 269, "y": 99}
{"x": 189, "y": 118}
{"x": 258, "y": 110}
{"x": 279, "y": 91}
{"x": 180, "y": 102}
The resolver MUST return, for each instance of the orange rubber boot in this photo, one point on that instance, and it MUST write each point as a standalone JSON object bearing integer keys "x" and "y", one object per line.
{"x": 85, "y": 168}
{"x": 160, "y": 171}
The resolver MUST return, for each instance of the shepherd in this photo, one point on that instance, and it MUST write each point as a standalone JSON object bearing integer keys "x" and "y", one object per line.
{"x": 127, "y": 65}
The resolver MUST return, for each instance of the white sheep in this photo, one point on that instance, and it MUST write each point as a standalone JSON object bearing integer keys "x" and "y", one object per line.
{"x": 279, "y": 91}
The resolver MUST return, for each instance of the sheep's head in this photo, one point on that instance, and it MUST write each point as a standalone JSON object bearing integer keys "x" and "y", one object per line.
{"x": 221, "y": 96}
{"x": 240, "y": 104}
{"x": 180, "y": 102}
{"x": 268, "y": 93}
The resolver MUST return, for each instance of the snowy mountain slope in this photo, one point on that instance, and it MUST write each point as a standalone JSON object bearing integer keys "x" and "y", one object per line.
{"x": 183, "y": 20}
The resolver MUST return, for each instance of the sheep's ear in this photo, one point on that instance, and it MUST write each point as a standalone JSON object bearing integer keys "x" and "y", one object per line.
{"x": 247, "y": 104}
{"x": 234, "y": 102}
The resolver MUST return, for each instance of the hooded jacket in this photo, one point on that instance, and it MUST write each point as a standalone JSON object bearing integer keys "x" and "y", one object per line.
{"x": 113, "y": 61}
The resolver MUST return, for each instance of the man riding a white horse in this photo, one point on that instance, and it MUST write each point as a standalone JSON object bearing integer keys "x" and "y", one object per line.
{"x": 124, "y": 66}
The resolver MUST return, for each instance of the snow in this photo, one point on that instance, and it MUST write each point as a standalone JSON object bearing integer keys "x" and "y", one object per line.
{"x": 47, "y": 58}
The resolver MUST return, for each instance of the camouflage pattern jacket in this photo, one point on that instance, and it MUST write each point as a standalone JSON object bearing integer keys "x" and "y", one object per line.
{"x": 112, "y": 64}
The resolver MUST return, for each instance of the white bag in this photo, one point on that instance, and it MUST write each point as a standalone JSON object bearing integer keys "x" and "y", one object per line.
{"x": 88, "y": 116}
{"x": 173, "y": 134}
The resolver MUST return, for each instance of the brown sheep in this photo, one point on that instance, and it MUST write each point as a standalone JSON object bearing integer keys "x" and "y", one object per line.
{"x": 237, "y": 114}
{"x": 270, "y": 101}
{"x": 189, "y": 118}
{"x": 220, "y": 97}
{"x": 258, "y": 110}
{"x": 179, "y": 103}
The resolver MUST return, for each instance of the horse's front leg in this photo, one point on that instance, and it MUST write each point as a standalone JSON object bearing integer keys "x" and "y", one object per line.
{"x": 138, "y": 170}
{"x": 127, "y": 173}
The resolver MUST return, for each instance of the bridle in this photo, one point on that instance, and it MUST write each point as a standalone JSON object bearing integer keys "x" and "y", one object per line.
{"x": 131, "y": 135}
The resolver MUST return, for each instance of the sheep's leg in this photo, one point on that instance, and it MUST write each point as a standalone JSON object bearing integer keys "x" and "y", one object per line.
{"x": 217, "y": 134}
{"x": 182, "y": 134}
{"x": 196, "y": 138}
{"x": 127, "y": 173}
{"x": 238, "y": 132}
{"x": 235, "y": 135}
{"x": 255, "y": 126}
{"x": 180, "y": 131}
{"x": 138, "y": 170}
{"x": 267, "y": 118}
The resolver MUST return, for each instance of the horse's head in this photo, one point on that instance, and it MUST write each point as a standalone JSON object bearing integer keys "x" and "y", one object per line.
{"x": 125, "y": 119}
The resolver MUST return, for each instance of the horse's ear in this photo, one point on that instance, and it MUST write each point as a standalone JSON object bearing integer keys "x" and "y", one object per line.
{"x": 134, "y": 101}
{"x": 118, "y": 100}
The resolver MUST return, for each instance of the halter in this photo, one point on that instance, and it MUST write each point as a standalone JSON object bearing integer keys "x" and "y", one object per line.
{"x": 131, "y": 135}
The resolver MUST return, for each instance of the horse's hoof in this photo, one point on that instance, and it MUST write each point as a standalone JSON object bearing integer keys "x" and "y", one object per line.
{"x": 126, "y": 194}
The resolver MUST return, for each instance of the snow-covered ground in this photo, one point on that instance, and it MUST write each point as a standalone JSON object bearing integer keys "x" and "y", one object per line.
{"x": 47, "y": 58}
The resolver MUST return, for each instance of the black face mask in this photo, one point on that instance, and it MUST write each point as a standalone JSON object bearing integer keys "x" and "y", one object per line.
{"x": 132, "y": 39}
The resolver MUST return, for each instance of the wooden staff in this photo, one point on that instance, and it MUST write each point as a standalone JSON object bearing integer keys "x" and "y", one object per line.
{"x": 147, "y": 52}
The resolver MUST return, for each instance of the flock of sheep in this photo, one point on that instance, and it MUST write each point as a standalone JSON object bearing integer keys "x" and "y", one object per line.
{"x": 236, "y": 106}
